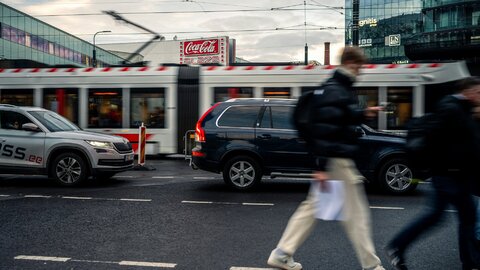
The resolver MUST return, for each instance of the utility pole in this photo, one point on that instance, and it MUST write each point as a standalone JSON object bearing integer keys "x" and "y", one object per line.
{"x": 94, "y": 59}
{"x": 355, "y": 17}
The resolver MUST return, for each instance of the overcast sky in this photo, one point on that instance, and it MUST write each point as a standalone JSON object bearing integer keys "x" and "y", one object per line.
{"x": 262, "y": 34}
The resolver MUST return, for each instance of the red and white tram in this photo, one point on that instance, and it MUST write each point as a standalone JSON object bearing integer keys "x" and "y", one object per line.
{"x": 170, "y": 99}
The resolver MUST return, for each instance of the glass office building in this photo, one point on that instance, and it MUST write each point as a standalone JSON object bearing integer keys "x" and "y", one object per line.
{"x": 451, "y": 31}
{"x": 401, "y": 31}
{"x": 23, "y": 37}
{"x": 384, "y": 26}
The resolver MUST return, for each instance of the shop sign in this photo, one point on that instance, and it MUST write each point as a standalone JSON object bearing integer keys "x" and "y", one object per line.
{"x": 393, "y": 40}
{"x": 368, "y": 21}
{"x": 365, "y": 42}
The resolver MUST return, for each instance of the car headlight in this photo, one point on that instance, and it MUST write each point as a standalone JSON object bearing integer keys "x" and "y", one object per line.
{"x": 100, "y": 144}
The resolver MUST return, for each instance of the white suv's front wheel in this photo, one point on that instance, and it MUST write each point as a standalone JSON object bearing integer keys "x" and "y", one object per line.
{"x": 69, "y": 169}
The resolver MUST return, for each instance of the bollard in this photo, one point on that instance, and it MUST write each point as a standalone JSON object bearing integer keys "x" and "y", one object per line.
{"x": 141, "y": 144}
{"x": 142, "y": 140}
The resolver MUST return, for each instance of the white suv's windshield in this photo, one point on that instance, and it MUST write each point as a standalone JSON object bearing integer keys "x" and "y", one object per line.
{"x": 53, "y": 122}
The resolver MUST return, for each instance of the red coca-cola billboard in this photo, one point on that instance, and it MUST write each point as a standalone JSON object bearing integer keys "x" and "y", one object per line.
{"x": 204, "y": 51}
{"x": 200, "y": 47}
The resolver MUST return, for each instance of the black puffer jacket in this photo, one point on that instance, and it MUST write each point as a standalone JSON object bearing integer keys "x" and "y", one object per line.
{"x": 334, "y": 118}
{"x": 455, "y": 138}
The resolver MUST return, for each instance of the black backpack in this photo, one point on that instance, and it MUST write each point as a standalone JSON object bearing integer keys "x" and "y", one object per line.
{"x": 302, "y": 115}
{"x": 419, "y": 140}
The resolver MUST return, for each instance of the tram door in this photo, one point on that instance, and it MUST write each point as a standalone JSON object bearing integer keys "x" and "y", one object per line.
{"x": 187, "y": 102}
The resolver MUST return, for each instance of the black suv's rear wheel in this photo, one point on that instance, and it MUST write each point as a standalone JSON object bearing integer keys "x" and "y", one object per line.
{"x": 69, "y": 169}
{"x": 395, "y": 176}
{"x": 242, "y": 172}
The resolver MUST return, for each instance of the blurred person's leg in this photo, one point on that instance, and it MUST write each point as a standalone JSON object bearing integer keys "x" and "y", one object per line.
{"x": 299, "y": 227}
{"x": 357, "y": 223}
{"x": 432, "y": 215}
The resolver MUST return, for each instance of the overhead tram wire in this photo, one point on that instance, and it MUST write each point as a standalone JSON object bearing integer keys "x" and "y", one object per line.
{"x": 183, "y": 12}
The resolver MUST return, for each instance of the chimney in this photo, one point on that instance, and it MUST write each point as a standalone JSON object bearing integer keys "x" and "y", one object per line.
{"x": 326, "y": 60}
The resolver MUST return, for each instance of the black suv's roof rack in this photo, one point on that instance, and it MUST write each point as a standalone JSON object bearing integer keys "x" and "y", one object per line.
{"x": 8, "y": 105}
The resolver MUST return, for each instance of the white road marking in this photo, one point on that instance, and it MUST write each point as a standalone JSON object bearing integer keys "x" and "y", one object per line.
{"x": 4, "y": 195}
{"x": 451, "y": 211}
{"x": 163, "y": 177}
{"x": 42, "y": 258}
{"x": 258, "y": 204}
{"x": 149, "y": 264}
{"x": 136, "y": 200}
{"x": 229, "y": 203}
{"x": 387, "y": 208}
{"x": 64, "y": 259}
{"x": 76, "y": 198}
{"x": 198, "y": 202}
{"x": 37, "y": 196}
{"x": 123, "y": 176}
{"x": 250, "y": 268}
{"x": 203, "y": 177}
{"x": 90, "y": 261}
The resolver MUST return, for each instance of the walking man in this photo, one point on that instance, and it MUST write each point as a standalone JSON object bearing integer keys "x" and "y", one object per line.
{"x": 454, "y": 143}
{"x": 333, "y": 140}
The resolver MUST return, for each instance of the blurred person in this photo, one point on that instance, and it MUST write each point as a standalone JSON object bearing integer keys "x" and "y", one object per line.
{"x": 333, "y": 140}
{"x": 454, "y": 143}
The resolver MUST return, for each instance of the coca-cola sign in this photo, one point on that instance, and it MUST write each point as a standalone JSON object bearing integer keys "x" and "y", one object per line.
{"x": 200, "y": 47}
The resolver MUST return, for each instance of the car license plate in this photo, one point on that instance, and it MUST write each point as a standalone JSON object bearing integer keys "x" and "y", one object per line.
{"x": 129, "y": 157}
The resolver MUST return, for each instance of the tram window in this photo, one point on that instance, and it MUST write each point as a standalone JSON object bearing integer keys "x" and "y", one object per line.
{"x": 368, "y": 97}
{"x": 63, "y": 101}
{"x": 147, "y": 105}
{"x": 400, "y": 99}
{"x": 226, "y": 93}
{"x": 276, "y": 92}
{"x": 104, "y": 108}
{"x": 19, "y": 97}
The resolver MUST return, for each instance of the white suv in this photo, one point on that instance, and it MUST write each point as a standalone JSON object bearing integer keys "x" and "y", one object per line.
{"x": 38, "y": 141}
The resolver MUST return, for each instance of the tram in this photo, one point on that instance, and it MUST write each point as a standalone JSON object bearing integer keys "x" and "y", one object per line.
{"x": 170, "y": 99}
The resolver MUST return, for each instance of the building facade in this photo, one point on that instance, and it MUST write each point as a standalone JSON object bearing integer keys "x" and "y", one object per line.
{"x": 402, "y": 31}
{"x": 384, "y": 26}
{"x": 451, "y": 31}
{"x": 23, "y": 37}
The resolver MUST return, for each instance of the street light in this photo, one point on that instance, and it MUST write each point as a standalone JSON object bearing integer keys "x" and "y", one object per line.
{"x": 94, "y": 47}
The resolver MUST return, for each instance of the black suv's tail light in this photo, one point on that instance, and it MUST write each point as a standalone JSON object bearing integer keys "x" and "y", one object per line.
{"x": 199, "y": 131}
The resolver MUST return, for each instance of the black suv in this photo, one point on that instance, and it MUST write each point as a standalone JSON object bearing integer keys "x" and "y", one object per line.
{"x": 245, "y": 139}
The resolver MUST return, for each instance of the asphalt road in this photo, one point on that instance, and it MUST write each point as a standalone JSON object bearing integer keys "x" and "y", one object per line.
{"x": 179, "y": 218}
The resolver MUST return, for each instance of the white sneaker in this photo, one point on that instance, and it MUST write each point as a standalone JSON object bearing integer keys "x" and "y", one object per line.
{"x": 285, "y": 262}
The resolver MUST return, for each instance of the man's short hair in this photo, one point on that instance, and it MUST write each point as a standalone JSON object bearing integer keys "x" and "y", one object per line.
{"x": 467, "y": 83}
{"x": 353, "y": 54}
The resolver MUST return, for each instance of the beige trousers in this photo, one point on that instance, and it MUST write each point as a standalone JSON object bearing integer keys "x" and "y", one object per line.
{"x": 357, "y": 223}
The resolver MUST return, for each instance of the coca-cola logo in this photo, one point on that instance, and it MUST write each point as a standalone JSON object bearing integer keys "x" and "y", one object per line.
{"x": 199, "y": 47}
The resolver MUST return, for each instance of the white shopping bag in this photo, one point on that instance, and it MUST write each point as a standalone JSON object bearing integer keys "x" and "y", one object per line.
{"x": 329, "y": 203}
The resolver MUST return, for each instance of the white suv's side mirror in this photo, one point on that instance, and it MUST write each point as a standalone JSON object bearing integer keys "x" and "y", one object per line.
{"x": 30, "y": 127}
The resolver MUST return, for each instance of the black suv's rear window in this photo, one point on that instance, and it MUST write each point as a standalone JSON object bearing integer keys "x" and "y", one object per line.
{"x": 239, "y": 116}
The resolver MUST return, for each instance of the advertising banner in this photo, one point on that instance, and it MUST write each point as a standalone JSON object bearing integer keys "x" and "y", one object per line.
{"x": 204, "y": 51}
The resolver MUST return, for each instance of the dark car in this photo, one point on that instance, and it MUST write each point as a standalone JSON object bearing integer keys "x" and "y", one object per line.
{"x": 245, "y": 139}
